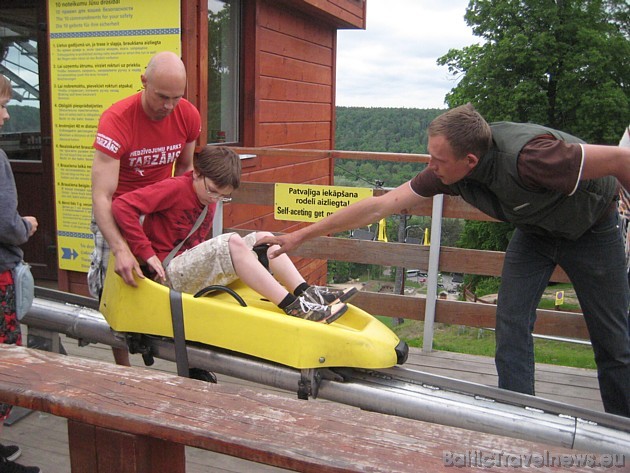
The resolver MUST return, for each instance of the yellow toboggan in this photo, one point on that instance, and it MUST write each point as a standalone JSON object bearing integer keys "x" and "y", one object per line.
{"x": 258, "y": 328}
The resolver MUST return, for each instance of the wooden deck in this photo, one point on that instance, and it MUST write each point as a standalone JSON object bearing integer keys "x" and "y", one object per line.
{"x": 43, "y": 437}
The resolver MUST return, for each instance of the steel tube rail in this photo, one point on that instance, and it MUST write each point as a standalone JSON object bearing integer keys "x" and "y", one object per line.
{"x": 391, "y": 391}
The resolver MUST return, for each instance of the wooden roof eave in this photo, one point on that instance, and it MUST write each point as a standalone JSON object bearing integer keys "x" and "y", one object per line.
{"x": 342, "y": 14}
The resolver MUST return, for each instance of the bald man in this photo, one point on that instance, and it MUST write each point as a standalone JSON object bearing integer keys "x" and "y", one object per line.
{"x": 139, "y": 141}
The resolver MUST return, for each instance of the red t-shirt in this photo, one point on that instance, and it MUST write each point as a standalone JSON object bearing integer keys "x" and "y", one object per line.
{"x": 171, "y": 208}
{"x": 146, "y": 148}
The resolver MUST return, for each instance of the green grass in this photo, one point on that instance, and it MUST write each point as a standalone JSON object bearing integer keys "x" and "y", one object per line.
{"x": 550, "y": 304}
{"x": 474, "y": 341}
{"x": 549, "y": 298}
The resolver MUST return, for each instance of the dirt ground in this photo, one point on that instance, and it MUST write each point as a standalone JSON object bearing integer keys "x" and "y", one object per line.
{"x": 550, "y": 293}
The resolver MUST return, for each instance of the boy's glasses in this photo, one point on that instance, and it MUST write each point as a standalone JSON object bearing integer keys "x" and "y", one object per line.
{"x": 214, "y": 195}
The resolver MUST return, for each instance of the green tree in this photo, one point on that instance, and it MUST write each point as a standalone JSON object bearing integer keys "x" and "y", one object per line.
{"x": 560, "y": 63}
{"x": 489, "y": 236}
{"x": 393, "y": 130}
{"x": 23, "y": 118}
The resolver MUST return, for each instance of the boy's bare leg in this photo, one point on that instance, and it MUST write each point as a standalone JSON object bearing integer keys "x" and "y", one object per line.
{"x": 252, "y": 272}
{"x": 283, "y": 268}
{"x": 256, "y": 276}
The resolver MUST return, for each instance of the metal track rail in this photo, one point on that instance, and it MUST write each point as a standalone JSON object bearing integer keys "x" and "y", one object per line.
{"x": 395, "y": 391}
{"x": 427, "y": 397}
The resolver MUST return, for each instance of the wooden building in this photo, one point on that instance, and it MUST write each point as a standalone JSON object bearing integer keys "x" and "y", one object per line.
{"x": 280, "y": 93}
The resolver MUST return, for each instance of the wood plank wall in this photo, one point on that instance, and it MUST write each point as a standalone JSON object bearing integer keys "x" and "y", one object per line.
{"x": 340, "y": 13}
{"x": 293, "y": 95}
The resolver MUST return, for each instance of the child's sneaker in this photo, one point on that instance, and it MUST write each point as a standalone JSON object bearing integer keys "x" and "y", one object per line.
{"x": 304, "y": 308}
{"x": 328, "y": 295}
{"x": 336, "y": 310}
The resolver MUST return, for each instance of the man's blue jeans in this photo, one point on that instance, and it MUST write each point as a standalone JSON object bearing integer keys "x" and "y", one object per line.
{"x": 595, "y": 263}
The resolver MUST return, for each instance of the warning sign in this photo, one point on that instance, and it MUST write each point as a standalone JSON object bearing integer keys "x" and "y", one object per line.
{"x": 559, "y": 298}
{"x": 307, "y": 203}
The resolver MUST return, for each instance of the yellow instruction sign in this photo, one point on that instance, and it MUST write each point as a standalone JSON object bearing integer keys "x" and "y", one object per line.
{"x": 309, "y": 203}
{"x": 98, "y": 51}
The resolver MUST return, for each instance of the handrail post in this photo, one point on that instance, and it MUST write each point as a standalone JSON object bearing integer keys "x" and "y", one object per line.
{"x": 432, "y": 275}
{"x": 217, "y": 220}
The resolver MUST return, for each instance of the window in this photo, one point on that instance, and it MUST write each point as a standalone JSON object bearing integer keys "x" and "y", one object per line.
{"x": 20, "y": 137}
{"x": 224, "y": 26}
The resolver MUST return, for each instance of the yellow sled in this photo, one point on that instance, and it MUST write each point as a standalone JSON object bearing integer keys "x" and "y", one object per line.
{"x": 261, "y": 329}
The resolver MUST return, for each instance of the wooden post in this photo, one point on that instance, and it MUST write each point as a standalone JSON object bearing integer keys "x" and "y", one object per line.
{"x": 99, "y": 450}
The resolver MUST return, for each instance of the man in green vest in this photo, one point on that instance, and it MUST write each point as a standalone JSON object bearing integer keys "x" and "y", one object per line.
{"x": 561, "y": 195}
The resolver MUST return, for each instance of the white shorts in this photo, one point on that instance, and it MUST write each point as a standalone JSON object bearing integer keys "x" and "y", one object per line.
{"x": 206, "y": 264}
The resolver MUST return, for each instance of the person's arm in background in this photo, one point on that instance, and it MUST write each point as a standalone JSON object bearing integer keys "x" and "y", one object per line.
{"x": 601, "y": 160}
{"x": 14, "y": 229}
{"x": 357, "y": 215}
{"x": 184, "y": 162}
{"x": 34, "y": 224}
{"x": 104, "y": 183}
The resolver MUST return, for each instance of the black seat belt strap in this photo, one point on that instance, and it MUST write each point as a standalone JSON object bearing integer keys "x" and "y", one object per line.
{"x": 179, "y": 336}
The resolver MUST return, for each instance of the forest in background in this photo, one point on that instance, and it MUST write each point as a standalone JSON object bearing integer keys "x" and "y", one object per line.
{"x": 390, "y": 130}
{"x": 23, "y": 118}
{"x": 393, "y": 130}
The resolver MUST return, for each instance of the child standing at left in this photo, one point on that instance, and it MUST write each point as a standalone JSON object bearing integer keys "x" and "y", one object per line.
{"x": 15, "y": 230}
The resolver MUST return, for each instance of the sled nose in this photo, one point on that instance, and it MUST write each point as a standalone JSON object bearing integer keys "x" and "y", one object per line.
{"x": 402, "y": 352}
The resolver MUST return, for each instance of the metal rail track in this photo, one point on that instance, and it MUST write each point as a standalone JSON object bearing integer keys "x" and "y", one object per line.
{"x": 395, "y": 391}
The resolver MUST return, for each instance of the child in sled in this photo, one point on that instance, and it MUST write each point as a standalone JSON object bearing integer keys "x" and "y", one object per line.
{"x": 177, "y": 213}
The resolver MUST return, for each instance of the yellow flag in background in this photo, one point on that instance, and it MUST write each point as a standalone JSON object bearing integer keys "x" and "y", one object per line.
{"x": 426, "y": 241}
{"x": 382, "y": 231}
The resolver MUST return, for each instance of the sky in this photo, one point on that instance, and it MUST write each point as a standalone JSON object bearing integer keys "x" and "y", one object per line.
{"x": 392, "y": 63}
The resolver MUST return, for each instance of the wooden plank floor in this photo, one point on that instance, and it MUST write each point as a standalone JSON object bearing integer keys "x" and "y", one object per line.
{"x": 559, "y": 383}
{"x": 43, "y": 437}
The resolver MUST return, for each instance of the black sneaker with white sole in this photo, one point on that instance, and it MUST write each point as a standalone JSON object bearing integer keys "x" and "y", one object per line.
{"x": 7, "y": 466}
{"x": 10, "y": 452}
